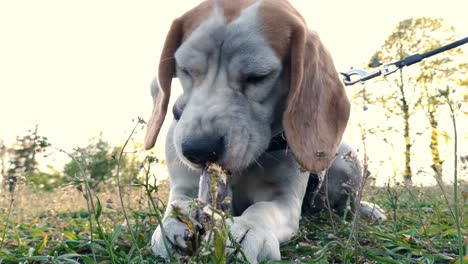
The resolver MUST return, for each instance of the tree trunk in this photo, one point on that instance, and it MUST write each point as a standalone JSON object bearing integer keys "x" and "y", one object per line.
{"x": 407, "y": 173}
{"x": 434, "y": 146}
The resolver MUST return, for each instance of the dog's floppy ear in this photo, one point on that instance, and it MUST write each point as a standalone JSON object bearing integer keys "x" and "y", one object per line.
{"x": 165, "y": 74}
{"x": 317, "y": 109}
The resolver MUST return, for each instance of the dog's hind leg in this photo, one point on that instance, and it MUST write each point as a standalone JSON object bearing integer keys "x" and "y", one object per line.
{"x": 337, "y": 188}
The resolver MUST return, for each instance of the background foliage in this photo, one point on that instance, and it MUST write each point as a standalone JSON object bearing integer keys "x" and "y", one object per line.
{"x": 103, "y": 206}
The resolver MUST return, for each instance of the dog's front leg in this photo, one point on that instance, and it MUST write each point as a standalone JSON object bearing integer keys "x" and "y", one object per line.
{"x": 262, "y": 227}
{"x": 184, "y": 188}
{"x": 274, "y": 216}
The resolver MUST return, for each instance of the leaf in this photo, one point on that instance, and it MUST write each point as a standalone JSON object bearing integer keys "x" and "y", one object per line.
{"x": 383, "y": 259}
{"x": 36, "y": 232}
{"x": 35, "y": 220}
{"x": 407, "y": 238}
{"x": 451, "y": 231}
{"x": 43, "y": 244}
{"x": 70, "y": 235}
{"x": 465, "y": 259}
{"x": 87, "y": 259}
{"x": 70, "y": 258}
{"x": 98, "y": 208}
{"x": 219, "y": 244}
{"x": 117, "y": 232}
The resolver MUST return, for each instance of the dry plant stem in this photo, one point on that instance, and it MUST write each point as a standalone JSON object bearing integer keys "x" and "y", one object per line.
{"x": 205, "y": 193}
{"x": 418, "y": 211}
{"x": 393, "y": 197}
{"x": 213, "y": 188}
{"x": 455, "y": 182}
{"x": 120, "y": 189}
{"x": 90, "y": 201}
{"x": 83, "y": 173}
{"x": 357, "y": 202}
{"x": 328, "y": 202}
{"x": 355, "y": 227}
{"x": 10, "y": 206}
{"x": 444, "y": 194}
{"x": 156, "y": 211}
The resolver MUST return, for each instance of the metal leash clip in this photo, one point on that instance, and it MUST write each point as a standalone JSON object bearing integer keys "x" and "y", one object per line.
{"x": 384, "y": 70}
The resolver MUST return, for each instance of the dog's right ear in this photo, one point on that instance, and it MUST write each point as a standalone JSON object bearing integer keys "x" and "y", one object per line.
{"x": 167, "y": 70}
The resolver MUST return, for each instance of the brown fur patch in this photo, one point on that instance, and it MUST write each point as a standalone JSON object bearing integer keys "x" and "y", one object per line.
{"x": 194, "y": 17}
{"x": 233, "y": 8}
{"x": 317, "y": 108}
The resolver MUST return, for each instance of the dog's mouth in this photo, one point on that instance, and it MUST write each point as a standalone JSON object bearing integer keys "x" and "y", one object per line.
{"x": 213, "y": 186}
{"x": 226, "y": 165}
{"x": 214, "y": 166}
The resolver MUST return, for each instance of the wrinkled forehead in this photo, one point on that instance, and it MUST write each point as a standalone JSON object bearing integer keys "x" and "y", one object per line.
{"x": 239, "y": 27}
{"x": 218, "y": 33}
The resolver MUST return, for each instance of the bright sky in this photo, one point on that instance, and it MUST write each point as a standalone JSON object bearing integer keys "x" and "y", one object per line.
{"x": 78, "y": 68}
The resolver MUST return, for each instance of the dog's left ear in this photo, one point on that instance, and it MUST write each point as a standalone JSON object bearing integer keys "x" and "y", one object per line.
{"x": 317, "y": 109}
{"x": 166, "y": 73}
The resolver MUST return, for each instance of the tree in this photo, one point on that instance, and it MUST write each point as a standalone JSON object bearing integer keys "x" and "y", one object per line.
{"x": 96, "y": 159}
{"x": 45, "y": 181}
{"x": 22, "y": 158}
{"x": 3, "y": 151}
{"x": 436, "y": 74}
{"x": 99, "y": 160}
{"x": 418, "y": 86}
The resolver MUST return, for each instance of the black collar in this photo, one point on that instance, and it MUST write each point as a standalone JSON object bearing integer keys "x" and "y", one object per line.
{"x": 278, "y": 142}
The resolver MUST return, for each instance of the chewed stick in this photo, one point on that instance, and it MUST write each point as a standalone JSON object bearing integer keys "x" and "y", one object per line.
{"x": 213, "y": 188}
{"x": 204, "y": 187}
{"x": 212, "y": 204}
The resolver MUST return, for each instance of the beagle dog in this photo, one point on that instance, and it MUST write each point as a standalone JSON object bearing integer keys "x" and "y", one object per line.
{"x": 261, "y": 98}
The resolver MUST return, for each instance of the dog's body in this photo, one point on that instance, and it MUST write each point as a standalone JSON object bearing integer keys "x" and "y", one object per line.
{"x": 252, "y": 73}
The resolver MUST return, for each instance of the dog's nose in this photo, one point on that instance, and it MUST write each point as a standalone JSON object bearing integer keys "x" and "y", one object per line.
{"x": 201, "y": 150}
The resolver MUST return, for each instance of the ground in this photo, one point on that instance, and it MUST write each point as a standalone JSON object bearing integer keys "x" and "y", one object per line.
{"x": 53, "y": 227}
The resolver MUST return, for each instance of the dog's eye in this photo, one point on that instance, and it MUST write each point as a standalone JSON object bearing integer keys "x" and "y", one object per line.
{"x": 177, "y": 112}
{"x": 185, "y": 71}
{"x": 255, "y": 78}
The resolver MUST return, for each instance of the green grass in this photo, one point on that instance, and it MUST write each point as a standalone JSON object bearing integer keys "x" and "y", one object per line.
{"x": 420, "y": 229}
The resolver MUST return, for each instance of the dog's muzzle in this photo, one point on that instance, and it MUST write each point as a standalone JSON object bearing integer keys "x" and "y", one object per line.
{"x": 203, "y": 149}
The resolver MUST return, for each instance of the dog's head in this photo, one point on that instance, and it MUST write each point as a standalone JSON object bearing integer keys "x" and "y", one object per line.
{"x": 249, "y": 70}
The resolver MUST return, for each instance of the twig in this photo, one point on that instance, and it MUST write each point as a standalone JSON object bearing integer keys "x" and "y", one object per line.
{"x": 83, "y": 173}
{"x": 12, "y": 199}
{"x": 156, "y": 210}
{"x": 140, "y": 121}
{"x": 455, "y": 180}
{"x": 442, "y": 189}
{"x": 413, "y": 197}
{"x": 327, "y": 199}
{"x": 357, "y": 201}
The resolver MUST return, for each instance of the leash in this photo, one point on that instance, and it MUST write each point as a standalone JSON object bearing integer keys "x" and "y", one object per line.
{"x": 392, "y": 67}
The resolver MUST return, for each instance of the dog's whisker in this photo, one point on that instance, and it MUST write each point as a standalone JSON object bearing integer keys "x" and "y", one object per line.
{"x": 270, "y": 156}
{"x": 259, "y": 164}
{"x": 247, "y": 145}
{"x": 171, "y": 148}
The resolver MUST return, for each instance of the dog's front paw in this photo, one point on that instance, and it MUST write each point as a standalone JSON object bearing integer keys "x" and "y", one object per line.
{"x": 256, "y": 242}
{"x": 372, "y": 212}
{"x": 168, "y": 240}
{"x": 175, "y": 233}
